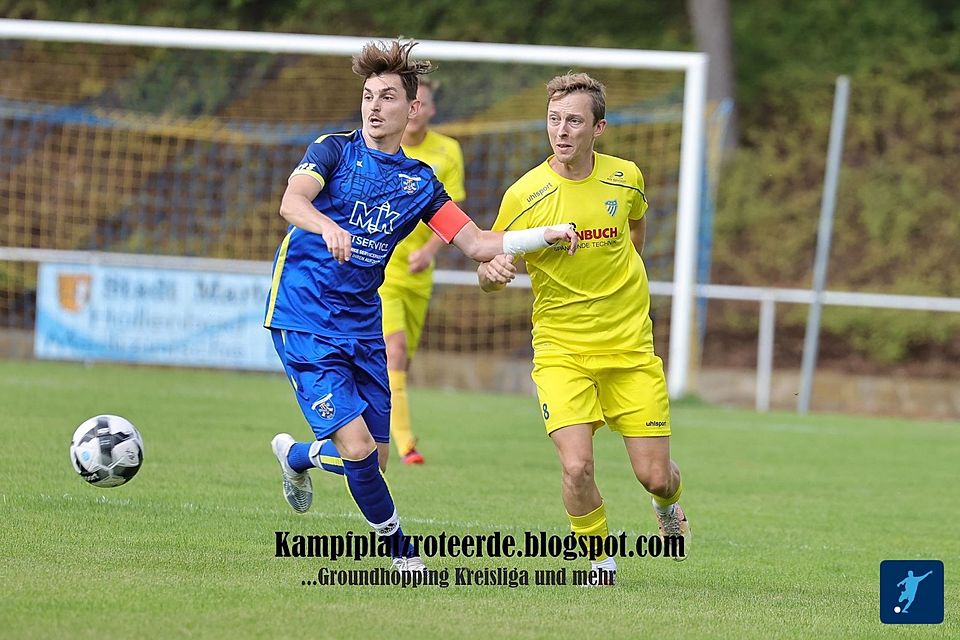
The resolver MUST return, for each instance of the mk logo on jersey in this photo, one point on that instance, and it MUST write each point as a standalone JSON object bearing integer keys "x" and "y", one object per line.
{"x": 377, "y": 220}
{"x": 616, "y": 176}
{"x": 408, "y": 184}
{"x": 612, "y": 207}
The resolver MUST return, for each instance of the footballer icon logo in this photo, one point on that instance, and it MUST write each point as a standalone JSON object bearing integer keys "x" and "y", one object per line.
{"x": 612, "y": 207}
{"x": 911, "y": 591}
{"x": 324, "y": 407}
{"x": 408, "y": 183}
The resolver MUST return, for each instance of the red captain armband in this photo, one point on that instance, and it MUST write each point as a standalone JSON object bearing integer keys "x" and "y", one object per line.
{"x": 448, "y": 220}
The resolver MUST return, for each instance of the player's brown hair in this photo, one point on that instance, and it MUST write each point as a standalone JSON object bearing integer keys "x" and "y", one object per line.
{"x": 580, "y": 83}
{"x": 378, "y": 58}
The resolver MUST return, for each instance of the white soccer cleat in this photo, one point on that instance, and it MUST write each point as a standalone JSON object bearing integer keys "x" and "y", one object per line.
{"x": 409, "y": 565}
{"x": 675, "y": 524}
{"x": 602, "y": 573}
{"x": 297, "y": 487}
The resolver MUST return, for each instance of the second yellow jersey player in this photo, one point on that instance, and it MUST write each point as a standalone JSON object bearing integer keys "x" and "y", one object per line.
{"x": 443, "y": 154}
{"x": 408, "y": 283}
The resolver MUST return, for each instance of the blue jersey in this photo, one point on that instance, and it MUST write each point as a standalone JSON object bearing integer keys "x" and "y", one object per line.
{"x": 379, "y": 198}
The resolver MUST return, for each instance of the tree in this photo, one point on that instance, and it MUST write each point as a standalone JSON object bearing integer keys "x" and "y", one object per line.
{"x": 710, "y": 20}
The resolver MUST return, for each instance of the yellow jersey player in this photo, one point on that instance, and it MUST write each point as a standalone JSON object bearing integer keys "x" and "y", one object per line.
{"x": 408, "y": 280}
{"x": 594, "y": 361}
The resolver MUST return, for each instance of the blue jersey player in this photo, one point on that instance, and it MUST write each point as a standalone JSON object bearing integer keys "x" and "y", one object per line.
{"x": 349, "y": 202}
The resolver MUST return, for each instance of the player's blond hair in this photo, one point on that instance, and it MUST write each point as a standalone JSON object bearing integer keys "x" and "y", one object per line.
{"x": 580, "y": 83}
{"x": 427, "y": 82}
{"x": 378, "y": 58}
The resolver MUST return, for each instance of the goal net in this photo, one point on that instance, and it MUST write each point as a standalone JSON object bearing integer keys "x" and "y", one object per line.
{"x": 166, "y": 143}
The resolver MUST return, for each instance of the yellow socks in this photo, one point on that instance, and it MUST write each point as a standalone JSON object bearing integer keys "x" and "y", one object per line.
{"x": 591, "y": 524}
{"x": 662, "y": 505}
{"x": 400, "y": 430}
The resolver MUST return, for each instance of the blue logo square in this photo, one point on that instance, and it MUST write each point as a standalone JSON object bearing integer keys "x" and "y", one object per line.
{"x": 911, "y": 592}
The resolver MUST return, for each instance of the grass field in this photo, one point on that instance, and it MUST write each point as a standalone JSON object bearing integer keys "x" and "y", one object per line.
{"x": 791, "y": 516}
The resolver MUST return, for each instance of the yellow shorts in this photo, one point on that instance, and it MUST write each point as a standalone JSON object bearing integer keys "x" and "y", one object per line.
{"x": 627, "y": 391}
{"x": 405, "y": 311}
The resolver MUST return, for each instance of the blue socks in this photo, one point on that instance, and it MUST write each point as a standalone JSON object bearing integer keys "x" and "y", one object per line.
{"x": 320, "y": 454}
{"x": 299, "y": 457}
{"x": 364, "y": 482}
{"x": 369, "y": 490}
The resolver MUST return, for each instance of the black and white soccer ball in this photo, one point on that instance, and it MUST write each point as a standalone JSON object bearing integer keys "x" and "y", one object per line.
{"x": 106, "y": 451}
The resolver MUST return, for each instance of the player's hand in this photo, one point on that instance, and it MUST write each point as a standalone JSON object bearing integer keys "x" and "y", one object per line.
{"x": 419, "y": 260}
{"x": 500, "y": 270}
{"x": 553, "y": 235}
{"x": 339, "y": 242}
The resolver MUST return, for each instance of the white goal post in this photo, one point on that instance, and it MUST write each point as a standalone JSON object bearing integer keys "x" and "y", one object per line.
{"x": 693, "y": 65}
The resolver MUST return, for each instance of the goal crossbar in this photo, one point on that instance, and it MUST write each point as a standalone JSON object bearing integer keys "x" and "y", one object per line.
{"x": 181, "y": 38}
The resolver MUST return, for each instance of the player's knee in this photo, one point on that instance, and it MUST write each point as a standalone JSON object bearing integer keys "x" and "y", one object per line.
{"x": 396, "y": 351}
{"x": 655, "y": 481}
{"x": 356, "y": 448}
{"x": 578, "y": 473}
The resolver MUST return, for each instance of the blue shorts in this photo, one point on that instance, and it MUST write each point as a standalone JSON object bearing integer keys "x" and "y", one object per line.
{"x": 336, "y": 380}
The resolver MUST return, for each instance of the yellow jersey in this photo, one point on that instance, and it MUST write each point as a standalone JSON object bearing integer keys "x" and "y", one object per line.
{"x": 444, "y": 155}
{"x": 598, "y": 300}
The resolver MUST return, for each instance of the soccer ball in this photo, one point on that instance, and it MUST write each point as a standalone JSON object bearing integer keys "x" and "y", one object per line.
{"x": 106, "y": 451}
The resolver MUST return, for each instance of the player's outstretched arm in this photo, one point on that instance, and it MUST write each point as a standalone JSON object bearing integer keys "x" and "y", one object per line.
{"x": 484, "y": 246}
{"x": 497, "y": 273}
{"x": 297, "y": 208}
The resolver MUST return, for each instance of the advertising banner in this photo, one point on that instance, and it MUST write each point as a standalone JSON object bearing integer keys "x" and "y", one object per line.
{"x": 155, "y": 316}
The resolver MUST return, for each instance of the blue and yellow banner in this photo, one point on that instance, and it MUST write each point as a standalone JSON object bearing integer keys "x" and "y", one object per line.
{"x": 153, "y": 316}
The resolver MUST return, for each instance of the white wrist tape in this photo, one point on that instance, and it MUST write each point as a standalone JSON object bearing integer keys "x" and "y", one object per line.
{"x": 516, "y": 243}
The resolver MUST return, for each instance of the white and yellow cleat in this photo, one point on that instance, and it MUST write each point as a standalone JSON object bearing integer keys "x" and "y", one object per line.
{"x": 674, "y": 523}
{"x": 297, "y": 487}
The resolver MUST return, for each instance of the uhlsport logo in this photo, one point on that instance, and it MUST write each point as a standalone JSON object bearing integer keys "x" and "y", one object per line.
{"x": 73, "y": 291}
{"x": 539, "y": 192}
{"x": 911, "y": 592}
{"x": 325, "y": 407}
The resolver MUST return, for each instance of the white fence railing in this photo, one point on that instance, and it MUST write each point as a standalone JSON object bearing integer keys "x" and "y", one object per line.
{"x": 766, "y": 297}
